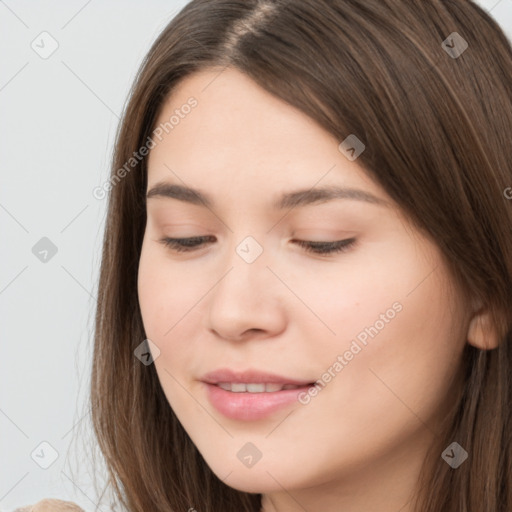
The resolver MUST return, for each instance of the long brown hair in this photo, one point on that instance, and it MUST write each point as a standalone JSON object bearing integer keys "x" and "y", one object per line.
{"x": 435, "y": 116}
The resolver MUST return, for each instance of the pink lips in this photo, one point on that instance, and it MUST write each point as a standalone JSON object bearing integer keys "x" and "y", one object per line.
{"x": 249, "y": 376}
{"x": 250, "y": 406}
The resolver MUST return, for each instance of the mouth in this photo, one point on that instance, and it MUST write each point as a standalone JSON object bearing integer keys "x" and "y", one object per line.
{"x": 246, "y": 387}
{"x": 254, "y": 381}
{"x": 251, "y": 395}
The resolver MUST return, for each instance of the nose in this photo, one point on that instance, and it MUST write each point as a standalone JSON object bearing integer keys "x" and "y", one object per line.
{"x": 248, "y": 301}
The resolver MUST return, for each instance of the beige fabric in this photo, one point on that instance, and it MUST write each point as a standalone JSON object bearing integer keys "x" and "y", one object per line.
{"x": 50, "y": 505}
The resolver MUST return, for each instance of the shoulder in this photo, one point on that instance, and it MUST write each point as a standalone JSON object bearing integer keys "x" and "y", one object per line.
{"x": 51, "y": 505}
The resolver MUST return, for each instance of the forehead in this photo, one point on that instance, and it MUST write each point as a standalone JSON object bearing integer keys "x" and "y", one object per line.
{"x": 230, "y": 107}
{"x": 238, "y": 134}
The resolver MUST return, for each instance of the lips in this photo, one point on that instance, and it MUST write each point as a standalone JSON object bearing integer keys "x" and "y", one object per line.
{"x": 251, "y": 395}
{"x": 250, "y": 377}
{"x": 255, "y": 387}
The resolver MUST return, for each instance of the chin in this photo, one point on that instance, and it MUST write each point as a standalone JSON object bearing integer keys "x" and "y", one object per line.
{"x": 260, "y": 479}
{"x": 261, "y": 484}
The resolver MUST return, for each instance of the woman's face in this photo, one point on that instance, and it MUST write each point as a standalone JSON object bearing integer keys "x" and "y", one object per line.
{"x": 378, "y": 325}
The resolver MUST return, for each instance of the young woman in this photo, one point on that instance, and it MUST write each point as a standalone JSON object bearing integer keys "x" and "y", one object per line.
{"x": 305, "y": 298}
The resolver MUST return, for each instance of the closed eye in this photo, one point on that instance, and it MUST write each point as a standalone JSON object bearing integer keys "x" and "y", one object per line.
{"x": 185, "y": 244}
{"x": 193, "y": 243}
{"x": 326, "y": 247}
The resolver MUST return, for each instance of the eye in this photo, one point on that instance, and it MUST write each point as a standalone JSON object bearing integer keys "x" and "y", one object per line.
{"x": 193, "y": 243}
{"x": 185, "y": 244}
{"x": 327, "y": 247}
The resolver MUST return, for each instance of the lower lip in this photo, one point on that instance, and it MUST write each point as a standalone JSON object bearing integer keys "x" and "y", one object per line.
{"x": 251, "y": 406}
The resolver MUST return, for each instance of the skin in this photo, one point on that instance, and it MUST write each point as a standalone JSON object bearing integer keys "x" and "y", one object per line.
{"x": 359, "y": 444}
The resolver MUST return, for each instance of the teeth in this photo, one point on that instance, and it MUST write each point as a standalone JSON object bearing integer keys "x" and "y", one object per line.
{"x": 269, "y": 388}
{"x": 255, "y": 388}
{"x": 240, "y": 387}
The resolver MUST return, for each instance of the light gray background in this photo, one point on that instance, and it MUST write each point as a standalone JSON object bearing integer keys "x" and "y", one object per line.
{"x": 58, "y": 118}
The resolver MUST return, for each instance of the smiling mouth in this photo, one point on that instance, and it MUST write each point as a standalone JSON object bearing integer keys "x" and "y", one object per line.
{"x": 252, "y": 401}
{"x": 270, "y": 387}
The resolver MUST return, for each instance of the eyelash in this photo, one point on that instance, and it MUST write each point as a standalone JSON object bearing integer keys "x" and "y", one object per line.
{"x": 322, "y": 248}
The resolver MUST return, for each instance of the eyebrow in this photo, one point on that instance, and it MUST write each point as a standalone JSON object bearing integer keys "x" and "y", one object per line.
{"x": 291, "y": 199}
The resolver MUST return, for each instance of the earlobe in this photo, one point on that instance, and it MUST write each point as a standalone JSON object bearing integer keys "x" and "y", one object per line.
{"x": 481, "y": 331}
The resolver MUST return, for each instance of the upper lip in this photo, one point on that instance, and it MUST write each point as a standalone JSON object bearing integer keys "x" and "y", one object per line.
{"x": 249, "y": 377}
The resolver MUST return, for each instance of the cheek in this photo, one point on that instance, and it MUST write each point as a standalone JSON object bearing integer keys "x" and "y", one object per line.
{"x": 165, "y": 292}
{"x": 403, "y": 374}
{"x": 153, "y": 292}
{"x": 357, "y": 298}
{"x": 172, "y": 301}
{"x": 398, "y": 333}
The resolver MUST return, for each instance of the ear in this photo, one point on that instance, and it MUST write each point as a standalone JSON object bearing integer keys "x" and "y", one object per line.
{"x": 482, "y": 332}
